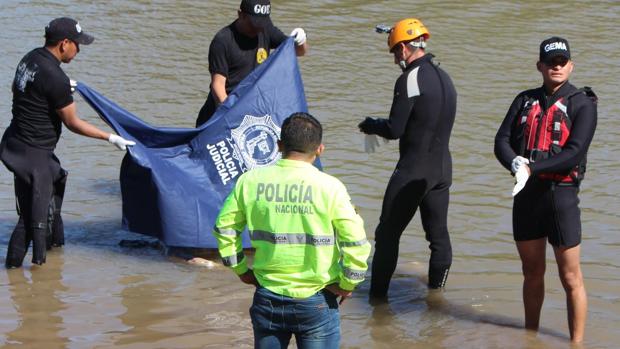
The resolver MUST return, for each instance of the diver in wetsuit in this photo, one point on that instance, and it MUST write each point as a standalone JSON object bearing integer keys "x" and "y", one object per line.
{"x": 422, "y": 117}
{"x": 42, "y": 101}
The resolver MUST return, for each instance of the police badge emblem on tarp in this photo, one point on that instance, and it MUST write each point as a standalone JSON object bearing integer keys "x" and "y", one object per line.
{"x": 174, "y": 181}
{"x": 256, "y": 141}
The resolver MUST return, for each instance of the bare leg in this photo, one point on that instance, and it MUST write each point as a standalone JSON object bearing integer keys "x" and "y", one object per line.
{"x": 569, "y": 269}
{"x": 532, "y": 255}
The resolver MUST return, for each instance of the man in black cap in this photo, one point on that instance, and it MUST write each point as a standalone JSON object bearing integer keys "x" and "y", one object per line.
{"x": 543, "y": 141}
{"x": 42, "y": 101}
{"x": 239, "y": 48}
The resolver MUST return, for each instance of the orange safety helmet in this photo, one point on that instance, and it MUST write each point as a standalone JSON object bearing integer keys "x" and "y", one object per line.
{"x": 407, "y": 30}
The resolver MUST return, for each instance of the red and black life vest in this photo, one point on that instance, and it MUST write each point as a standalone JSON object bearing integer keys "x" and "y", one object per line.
{"x": 544, "y": 133}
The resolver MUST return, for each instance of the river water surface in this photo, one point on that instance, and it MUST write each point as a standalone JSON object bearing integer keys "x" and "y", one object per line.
{"x": 151, "y": 58}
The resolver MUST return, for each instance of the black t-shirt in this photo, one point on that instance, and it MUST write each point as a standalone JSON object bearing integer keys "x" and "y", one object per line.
{"x": 235, "y": 55}
{"x": 40, "y": 88}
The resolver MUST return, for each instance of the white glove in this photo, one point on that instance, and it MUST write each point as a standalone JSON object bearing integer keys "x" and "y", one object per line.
{"x": 73, "y": 85}
{"x": 521, "y": 176}
{"x": 120, "y": 142}
{"x": 300, "y": 36}
{"x": 518, "y": 162}
{"x": 371, "y": 142}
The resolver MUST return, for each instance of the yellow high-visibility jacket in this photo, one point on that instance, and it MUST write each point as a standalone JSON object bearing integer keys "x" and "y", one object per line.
{"x": 303, "y": 226}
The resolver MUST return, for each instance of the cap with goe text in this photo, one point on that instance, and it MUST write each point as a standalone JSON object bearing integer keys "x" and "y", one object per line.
{"x": 67, "y": 28}
{"x": 258, "y": 10}
{"x": 554, "y": 47}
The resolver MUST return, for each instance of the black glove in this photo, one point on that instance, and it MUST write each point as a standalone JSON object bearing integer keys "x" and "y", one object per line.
{"x": 368, "y": 125}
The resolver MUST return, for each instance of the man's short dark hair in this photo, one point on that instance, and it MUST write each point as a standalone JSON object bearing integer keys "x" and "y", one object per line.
{"x": 301, "y": 132}
{"x": 52, "y": 42}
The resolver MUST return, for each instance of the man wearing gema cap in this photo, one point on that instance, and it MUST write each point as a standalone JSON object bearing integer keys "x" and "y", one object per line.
{"x": 42, "y": 100}
{"x": 421, "y": 117}
{"x": 239, "y": 48}
{"x": 543, "y": 141}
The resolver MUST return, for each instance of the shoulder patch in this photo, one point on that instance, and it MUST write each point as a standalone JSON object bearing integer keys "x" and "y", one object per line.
{"x": 413, "y": 89}
{"x": 24, "y": 75}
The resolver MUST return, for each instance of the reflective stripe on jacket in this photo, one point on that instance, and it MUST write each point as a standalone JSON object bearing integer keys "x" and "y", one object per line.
{"x": 303, "y": 226}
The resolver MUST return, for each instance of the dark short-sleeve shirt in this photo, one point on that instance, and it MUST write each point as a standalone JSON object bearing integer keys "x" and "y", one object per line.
{"x": 40, "y": 88}
{"x": 235, "y": 55}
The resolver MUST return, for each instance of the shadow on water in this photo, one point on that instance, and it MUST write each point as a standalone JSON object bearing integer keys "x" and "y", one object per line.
{"x": 409, "y": 294}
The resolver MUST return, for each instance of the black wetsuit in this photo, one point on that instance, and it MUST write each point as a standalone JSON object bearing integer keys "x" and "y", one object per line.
{"x": 545, "y": 208}
{"x": 40, "y": 88}
{"x": 422, "y": 117}
{"x": 234, "y": 56}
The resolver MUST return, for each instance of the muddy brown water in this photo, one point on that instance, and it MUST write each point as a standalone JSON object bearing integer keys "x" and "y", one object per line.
{"x": 151, "y": 58}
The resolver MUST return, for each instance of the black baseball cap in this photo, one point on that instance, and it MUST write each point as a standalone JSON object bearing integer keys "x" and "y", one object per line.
{"x": 67, "y": 28}
{"x": 258, "y": 11}
{"x": 553, "y": 47}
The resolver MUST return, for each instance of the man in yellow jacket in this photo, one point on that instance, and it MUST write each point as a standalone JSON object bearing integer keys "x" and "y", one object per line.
{"x": 310, "y": 243}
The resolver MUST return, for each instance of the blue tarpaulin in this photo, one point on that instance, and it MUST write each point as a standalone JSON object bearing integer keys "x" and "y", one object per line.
{"x": 174, "y": 180}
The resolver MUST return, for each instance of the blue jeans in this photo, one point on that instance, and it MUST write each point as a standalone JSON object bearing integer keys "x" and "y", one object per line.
{"x": 315, "y": 320}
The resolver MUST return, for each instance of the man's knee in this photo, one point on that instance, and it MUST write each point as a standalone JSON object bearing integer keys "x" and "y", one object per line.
{"x": 533, "y": 271}
{"x": 571, "y": 280}
{"x": 387, "y": 235}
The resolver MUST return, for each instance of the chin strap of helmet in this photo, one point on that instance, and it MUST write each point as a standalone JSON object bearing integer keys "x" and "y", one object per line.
{"x": 403, "y": 65}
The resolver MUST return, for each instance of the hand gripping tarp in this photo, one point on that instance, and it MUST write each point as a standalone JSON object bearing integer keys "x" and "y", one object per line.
{"x": 174, "y": 181}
